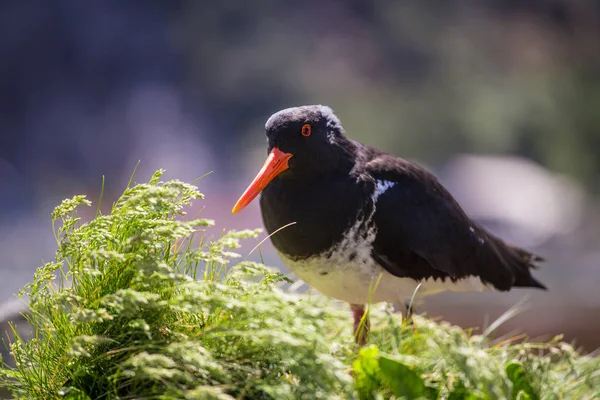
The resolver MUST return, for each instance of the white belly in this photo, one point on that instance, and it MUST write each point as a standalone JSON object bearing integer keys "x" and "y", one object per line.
{"x": 359, "y": 282}
{"x": 348, "y": 272}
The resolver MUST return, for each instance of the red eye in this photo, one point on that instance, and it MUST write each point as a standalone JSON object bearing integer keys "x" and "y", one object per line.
{"x": 306, "y": 130}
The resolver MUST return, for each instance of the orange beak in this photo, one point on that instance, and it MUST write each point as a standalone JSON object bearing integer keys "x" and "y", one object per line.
{"x": 276, "y": 163}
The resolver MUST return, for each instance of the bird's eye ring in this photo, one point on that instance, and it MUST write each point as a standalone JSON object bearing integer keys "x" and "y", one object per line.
{"x": 306, "y": 130}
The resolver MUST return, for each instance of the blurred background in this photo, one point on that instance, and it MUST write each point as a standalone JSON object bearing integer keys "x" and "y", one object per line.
{"x": 499, "y": 98}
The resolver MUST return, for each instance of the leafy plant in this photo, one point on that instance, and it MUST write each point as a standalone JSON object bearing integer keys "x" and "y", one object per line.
{"x": 140, "y": 304}
{"x": 131, "y": 308}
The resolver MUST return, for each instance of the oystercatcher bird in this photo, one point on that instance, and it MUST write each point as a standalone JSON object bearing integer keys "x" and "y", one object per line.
{"x": 365, "y": 226}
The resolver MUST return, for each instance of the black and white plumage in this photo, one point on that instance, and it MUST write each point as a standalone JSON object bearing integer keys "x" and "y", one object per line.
{"x": 364, "y": 218}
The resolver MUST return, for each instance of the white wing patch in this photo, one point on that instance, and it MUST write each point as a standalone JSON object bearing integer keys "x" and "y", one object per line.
{"x": 381, "y": 188}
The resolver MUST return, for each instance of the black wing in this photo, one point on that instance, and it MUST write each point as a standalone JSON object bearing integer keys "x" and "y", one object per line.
{"x": 423, "y": 232}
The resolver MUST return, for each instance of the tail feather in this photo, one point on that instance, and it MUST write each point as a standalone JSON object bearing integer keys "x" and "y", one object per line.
{"x": 530, "y": 257}
{"x": 523, "y": 263}
{"x": 529, "y": 281}
{"x": 515, "y": 263}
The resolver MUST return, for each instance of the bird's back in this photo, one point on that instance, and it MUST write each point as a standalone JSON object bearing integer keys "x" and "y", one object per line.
{"x": 422, "y": 231}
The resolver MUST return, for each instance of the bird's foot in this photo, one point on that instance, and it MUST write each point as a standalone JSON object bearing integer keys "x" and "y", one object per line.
{"x": 409, "y": 309}
{"x": 361, "y": 323}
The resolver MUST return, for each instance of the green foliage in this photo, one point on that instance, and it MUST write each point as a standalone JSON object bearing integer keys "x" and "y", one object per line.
{"x": 439, "y": 361}
{"x": 140, "y": 304}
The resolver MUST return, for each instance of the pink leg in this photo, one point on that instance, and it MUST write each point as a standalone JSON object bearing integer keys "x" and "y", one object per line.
{"x": 360, "y": 330}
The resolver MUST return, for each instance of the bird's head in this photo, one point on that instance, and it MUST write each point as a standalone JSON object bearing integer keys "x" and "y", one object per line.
{"x": 304, "y": 142}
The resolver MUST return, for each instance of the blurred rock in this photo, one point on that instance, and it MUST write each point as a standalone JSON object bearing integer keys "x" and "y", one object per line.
{"x": 514, "y": 197}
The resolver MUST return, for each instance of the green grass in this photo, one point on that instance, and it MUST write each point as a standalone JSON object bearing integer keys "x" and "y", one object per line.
{"x": 139, "y": 304}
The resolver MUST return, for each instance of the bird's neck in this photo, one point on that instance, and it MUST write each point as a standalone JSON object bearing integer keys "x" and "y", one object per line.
{"x": 336, "y": 163}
